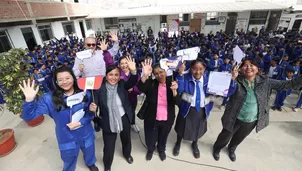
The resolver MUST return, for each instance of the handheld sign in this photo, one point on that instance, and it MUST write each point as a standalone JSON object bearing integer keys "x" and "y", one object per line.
{"x": 219, "y": 83}
{"x": 90, "y": 83}
{"x": 189, "y": 54}
{"x": 170, "y": 65}
{"x": 84, "y": 54}
{"x": 75, "y": 99}
{"x": 238, "y": 54}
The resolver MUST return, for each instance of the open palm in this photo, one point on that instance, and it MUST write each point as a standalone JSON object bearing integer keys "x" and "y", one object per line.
{"x": 131, "y": 64}
{"x": 29, "y": 90}
{"x": 114, "y": 37}
{"x": 147, "y": 67}
{"x": 104, "y": 45}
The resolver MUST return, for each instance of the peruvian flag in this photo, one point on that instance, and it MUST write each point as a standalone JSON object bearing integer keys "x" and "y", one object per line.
{"x": 90, "y": 83}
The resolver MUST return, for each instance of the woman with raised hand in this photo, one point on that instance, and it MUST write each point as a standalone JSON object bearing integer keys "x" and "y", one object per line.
{"x": 71, "y": 136}
{"x": 115, "y": 111}
{"x": 248, "y": 106}
{"x": 161, "y": 96}
{"x": 132, "y": 92}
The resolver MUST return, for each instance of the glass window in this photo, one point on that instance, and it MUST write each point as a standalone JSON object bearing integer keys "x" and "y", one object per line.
{"x": 111, "y": 23}
{"x": 212, "y": 15}
{"x": 258, "y": 17}
{"x": 68, "y": 27}
{"x": 45, "y": 32}
{"x": 4, "y": 42}
{"x": 88, "y": 24}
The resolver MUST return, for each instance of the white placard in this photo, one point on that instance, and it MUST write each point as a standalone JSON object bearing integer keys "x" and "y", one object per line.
{"x": 238, "y": 54}
{"x": 219, "y": 83}
{"x": 76, "y": 117}
{"x": 75, "y": 99}
{"x": 41, "y": 79}
{"x": 189, "y": 54}
{"x": 84, "y": 54}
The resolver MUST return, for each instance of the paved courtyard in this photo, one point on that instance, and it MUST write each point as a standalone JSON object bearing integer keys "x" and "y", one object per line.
{"x": 276, "y": 148}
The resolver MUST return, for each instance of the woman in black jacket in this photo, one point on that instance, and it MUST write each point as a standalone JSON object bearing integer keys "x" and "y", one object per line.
{"x": 115, "y": 112}
{"x": 161, "y": 96}
{"x": 248, "y": 107}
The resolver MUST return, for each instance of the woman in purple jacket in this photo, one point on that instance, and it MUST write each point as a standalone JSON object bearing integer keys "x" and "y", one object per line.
{"x": 133, "y": 92}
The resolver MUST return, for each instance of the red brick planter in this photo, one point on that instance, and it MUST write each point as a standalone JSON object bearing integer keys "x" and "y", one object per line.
{"x": 7, "y": 142}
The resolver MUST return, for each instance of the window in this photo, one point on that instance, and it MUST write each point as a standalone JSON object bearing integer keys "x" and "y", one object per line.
{"x": 163, "y": 19}
{"x": 185, "y": 17}
{"x": 180, "y": 17}
{"x": 212, "y": 15}
{"x": 258, "y": 17}
{"x": 4, "y": 42}
{"x": 45, "y": 32}
{"x": 68, "y": 27}
{"x": 88, "y": 24}
{"x": 192, "y": 16}
{"x": 111, "y": 23}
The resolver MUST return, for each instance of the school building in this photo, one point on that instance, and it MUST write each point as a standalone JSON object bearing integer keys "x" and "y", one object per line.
{"x": 27, "y": 23}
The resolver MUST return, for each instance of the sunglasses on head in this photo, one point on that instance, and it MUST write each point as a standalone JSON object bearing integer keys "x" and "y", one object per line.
{"x": 88, "y": 44}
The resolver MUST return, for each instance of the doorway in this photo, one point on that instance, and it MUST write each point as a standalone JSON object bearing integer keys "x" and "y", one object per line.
{"x": 231, "y": 22}
{"x": 29, "y": 37}
{"x": 82, "y": 29}
{"x": 273, "y": 20}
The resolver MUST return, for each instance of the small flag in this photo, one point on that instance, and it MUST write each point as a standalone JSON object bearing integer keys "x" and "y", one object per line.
{"x": 90, "y": 83}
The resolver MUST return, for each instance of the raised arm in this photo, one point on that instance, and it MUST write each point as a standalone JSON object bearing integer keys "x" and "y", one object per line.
{"x": 114, "y": 50}
{"x": 32, "y": 109}
{"x": 286, "y": 85}
{"x": 76, "y": 69}
{"x": 133, "y": 77}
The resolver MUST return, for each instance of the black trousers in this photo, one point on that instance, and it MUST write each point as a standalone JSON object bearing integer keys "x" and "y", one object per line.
{"x": 240, "y": 132}
{"x": 157, "y": 134}
{"x": 109, "y": 143}
{"x": 133, "y": 107}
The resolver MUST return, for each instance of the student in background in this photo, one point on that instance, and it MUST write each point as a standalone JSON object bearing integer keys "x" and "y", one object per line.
{"x": 281, "y": 95}
{"x": 274, "y": 70}
{"x": 215, "y": 62}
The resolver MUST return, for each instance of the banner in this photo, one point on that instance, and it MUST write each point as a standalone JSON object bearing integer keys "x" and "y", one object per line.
{"x": 173, "y": 27}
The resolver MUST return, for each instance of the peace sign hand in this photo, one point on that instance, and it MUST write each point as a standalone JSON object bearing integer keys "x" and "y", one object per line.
{"x": 28, "y": 90}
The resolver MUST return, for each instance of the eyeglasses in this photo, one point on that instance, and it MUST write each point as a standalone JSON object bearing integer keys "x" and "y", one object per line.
{"x": 88, "y": 44}
{"x": 63, "y": 80}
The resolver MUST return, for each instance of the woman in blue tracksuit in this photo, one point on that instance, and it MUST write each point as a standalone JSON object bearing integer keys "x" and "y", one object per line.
{"x": 191, "y": 123}
{"x": 71, "y": 136}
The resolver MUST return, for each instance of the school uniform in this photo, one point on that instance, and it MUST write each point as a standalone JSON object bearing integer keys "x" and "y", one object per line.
{"x": 281, "y": 96}
{"x": 69, "y": 141}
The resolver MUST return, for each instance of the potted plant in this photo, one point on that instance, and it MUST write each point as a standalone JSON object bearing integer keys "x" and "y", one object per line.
{"x": 13, "y": 70}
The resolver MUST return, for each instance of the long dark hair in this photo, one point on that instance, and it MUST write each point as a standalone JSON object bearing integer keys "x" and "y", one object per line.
{"x": 57, "y": 95}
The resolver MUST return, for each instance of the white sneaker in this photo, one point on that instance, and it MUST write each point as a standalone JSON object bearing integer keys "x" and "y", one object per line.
{"x": 135, "y": 128}
{"x": 295, "y": 109}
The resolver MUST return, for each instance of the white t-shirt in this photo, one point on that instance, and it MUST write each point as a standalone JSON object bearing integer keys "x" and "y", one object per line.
{"x": 271, "y": 72}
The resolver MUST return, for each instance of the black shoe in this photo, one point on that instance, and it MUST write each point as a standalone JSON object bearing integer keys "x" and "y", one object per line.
{"x": 279, "y": 109}
{"x": 149, "y": 156}
{"x": 273, "y": 108}
{"x": 196, "y": 152}
{"x": 107, "y": 169}
{"x": 232, "y": 156}
{"x": 216, "y": 155}
{"x": 162, "y": 156}
{"x": 129, "y": 160}
{"x": 176, "y": 150}
{"x": 93, "y": 168}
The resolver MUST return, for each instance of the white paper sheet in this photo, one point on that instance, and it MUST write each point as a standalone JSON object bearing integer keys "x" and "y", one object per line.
{"x": 219, "y": 83}
{"x": 84, "y": 54}
{"x": 76, "y": 117}
{"x": 75, "y": 99}
{"x": 238, "y": 54}
{"x": 189, "y": 54}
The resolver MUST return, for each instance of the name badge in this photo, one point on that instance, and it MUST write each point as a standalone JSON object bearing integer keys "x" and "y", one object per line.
{"x": 186, "y": 97}
{"x": 75, "y": 99}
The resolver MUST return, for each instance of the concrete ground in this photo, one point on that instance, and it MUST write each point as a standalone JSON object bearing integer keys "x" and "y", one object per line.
{"x": 276, "y": 148}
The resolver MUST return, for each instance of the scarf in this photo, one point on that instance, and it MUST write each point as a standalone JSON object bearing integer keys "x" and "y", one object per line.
{"x": 115, "y": 119}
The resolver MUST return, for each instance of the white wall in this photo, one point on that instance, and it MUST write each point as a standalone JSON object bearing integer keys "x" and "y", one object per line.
{"x": 16, "y": 37}
{"x": 243, "y": 20}
{"x": 78, "y": 29}
{"x": 149, "y": 21}
{"x": 57, "y": 30}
